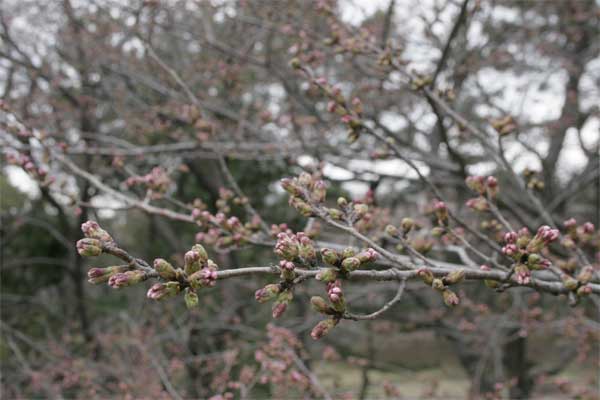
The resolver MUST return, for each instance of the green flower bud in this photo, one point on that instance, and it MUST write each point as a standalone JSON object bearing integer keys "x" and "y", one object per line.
{"x": 330, "y": 256}
{"x": 303, "y": 207}
{"x": 335, "y": 214}
{"x": 584, "y": 290}
{"x": 281, "y": 303}
{"x": 327, "y": 275}
{"x": 348, "y": 252}
{"x": 191, "y": 298}
{"x": 426, "y": 275}
{"x": 290, "y": 186}
{"x": 102, "y": 275}
{"x": 164, "y": 269}
{"x": 160, "y": 291}
{"x": 392, "y": 231}
{"x": 438, "y": 284}
{"x": 266, "y": 293}
{"x": 454, "y": 277}
{"x": 128, "y": 278}
{"x": 89, "y": 247}
{"x": 407, "y": 224}
{"x": 491, "y": 283}
{"x": 295, "y": 63}
{"x": 450, "y": 298}
{"x": 342, "y": 202}
{"x": 320, "y": 305}
{"x": 351, "y": 264}
{"x": 569, "y": 282}
{"x": 533, "y": 259}
{"x": 202, "y": 254}
{"x": 323, "y": 328}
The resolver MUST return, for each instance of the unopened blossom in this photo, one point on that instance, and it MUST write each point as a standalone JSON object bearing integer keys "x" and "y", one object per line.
{"x": 330, "y": 256}
{"x": 523, "y": 274}
{"x": 326, "y": 275}
{"x": 510, "y": 237}
{"x": 368, "y": 255}
{"x": 510, "y": 250}
{"x": 266, "y": 293}
{"x": 450, "y": 298}
{"x": 127, "y": 278}
{"x": 320, "y": 305}
{"x": 191, "y": 298}
{"x": 205, "y": 277}
{"x": 92, "y": 230}
{"x": 89, "y": 247}
{"x": 165, "y": 269}
{"x": 160, "y": 291}
{"x": 102, "y": 275}
{"x": 351, "y": 263}
{"x": 454, "y": 277}
{"x": 323, "y": 328}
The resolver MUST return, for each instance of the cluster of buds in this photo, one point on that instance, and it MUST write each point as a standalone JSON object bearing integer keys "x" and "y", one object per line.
{"x": 353, "y": 211}
{"x": 296, "y": 247}
{"x": 524, "y": 250}
{"x": 336, "y": 296}
{"x": 102, "y": 275}
{"x": 304, "y": 191}
{"x": 350, "y": 112}
{"x": 157, "y": 181}
{"x": 281, "y": 293}
{"x": 421, "y": 244}
{"x": 577, "y": 234}
{"x": 94, "y": 241}
{"x": 532, "y": 179}
{"x": 483, "y": 185}
{"x": 544, "y": 236}
{"x": 406, "y": 225}
{"x": 441, "y": 284}
{"x": 199, "y": 270}
{"x": 39, "y": 174}
{"x": 504, "y": 126}
{"x": 221, "y": 231}
{"x": 344, "y": 262}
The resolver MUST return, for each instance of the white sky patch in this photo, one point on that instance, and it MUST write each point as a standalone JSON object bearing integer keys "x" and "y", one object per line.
{"x": 335, "y": 172}
{"x": 23, "y": 182}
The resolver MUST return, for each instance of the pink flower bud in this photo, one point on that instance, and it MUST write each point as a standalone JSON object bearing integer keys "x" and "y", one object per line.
{"x": 89, "y": 247}
{"x": 588, "y": 228}
{"x": 491, "y": 182}
{"x": 323, "y": 328}
{"x": 92, "y": 230}
{"x": 510, "y": 237}
{"x": 279, "y": 309}
{"x": 570, "y": 223}
{"x": 128, "y": 278}
{"x": 510, "y": 250}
